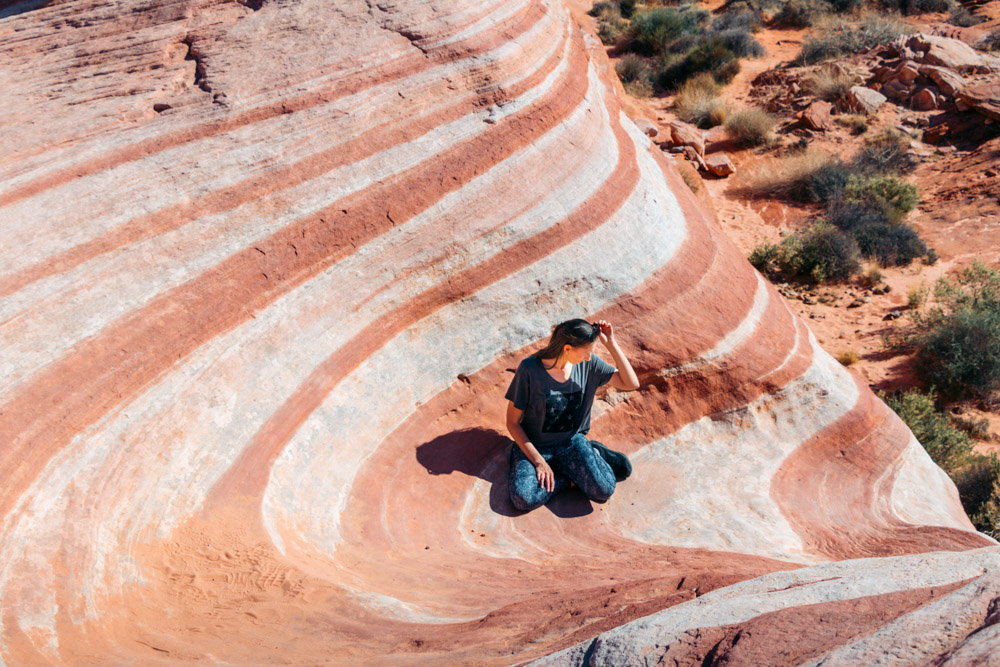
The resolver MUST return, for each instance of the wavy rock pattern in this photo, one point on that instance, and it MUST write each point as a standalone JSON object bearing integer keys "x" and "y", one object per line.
{"x": 266, "y": 268}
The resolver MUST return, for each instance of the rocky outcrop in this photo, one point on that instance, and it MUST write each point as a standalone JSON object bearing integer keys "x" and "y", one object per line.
{"x": 266, "y": 269}
{"x": 984, "y": 98}
{"x": 944, "y": 52}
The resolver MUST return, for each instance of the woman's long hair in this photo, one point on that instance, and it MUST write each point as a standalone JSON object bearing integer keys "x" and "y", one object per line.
{"x": 575, "y": 333}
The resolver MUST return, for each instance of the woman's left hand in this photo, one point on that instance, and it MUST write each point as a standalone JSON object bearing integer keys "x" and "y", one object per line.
{"x": 607, "y": 335}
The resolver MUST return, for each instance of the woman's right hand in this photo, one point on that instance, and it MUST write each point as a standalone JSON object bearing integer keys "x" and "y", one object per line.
{"x": 546, "y": 478}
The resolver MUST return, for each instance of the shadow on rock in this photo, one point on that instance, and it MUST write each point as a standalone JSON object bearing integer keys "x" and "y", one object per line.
{"x": 485, "y": 454}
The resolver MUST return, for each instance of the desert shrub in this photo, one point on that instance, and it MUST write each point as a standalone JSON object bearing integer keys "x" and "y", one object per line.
{"x": 764, "y": 258}
{"x": 846, "y": 6}
{"x": 991, "y": 42}
{"x": 842, "y": 38}
{"x": 976, "y": 428}
{"x": 979, "y": 488}
{"x": 888, "y": 194}
{"x": 850, "y": 216}
{"x": 870, "y": 277}
{"x": 801, "y": 13}
{"x": 740, "y": 42}
{"x": 856, "y": 122}
{"x": 891, "y": 245}
{"x": 961, "y": 354}
{"x": 885, "y": 153}
{"x": 822, "y": 254}
{"x": 961, "y": 17}
{"x": 697, "y": 102}
{"x": 829, "y": 83}
{"x": 949, "y": 447}
{"x": 651, "y": 31}
{"x": 632, "y": 68}
{"x": 917, "y": 297}
{"x": 708, "y": 55}
{"x": 626, "y": 7}
{"x": 740, "y": 18}
{"x": 750, "y": 127}
{"x": 823, "y": 185}
{"x": 601, "y": 8}
{"x": 958, "y": 345}
{"x": 847, "y": 357}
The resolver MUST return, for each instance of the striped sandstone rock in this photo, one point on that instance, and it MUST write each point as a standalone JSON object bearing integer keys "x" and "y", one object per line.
{"x": 266, "y": 268}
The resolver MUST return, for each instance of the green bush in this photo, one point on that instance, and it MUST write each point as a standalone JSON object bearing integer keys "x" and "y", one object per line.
{"x": 979, "y": 488}
{"x": 740, "y": 42}
{"x": 958, "y": 341}
{"x": 764, "y": 258}
{"x": 949, "y": 447}
{"x": 751, "y": 127}
{"x": 708, "y": 55}
{"x": 822, "y": 254}
{"x": 742, "y": 18}
{"x": 888, "y": 194}
{"x": 632, "y": 68}
{"x": 824, "y": 185}
{"x": 850, "y": 216}
{"x": 843, "y": 38}
{"x": 961, "y": 353}
{"x": 651, "y": 31}
{"x": 890, "y": 245}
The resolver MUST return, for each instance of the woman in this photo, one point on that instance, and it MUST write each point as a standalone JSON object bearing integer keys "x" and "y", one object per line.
{"x": 548, "y": 415}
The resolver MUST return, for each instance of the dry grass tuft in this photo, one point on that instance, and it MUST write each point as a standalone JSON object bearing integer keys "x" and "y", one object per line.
{"x": 847, "y": 357}
{"x": 829, "y": 83}
{"x": 698, "y": 102}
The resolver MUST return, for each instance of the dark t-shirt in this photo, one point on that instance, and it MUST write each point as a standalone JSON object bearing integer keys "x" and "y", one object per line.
{"x": 555, "y": 411}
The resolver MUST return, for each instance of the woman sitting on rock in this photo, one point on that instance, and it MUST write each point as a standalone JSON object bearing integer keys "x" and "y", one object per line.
{"x": 548, "y": 415}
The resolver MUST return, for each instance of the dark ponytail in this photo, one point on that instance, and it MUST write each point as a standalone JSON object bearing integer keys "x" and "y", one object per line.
{"x": 575, "y": 333}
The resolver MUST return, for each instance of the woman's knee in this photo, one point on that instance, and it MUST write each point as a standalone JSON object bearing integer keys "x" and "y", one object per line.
{"x": 527, "y": 499}
{"x": 604, "y": 488}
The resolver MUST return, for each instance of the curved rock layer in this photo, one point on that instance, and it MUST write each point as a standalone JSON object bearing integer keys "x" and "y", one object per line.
{"x": 267, "y": 266}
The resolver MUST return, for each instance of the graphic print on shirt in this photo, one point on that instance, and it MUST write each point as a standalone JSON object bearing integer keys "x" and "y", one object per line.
{"x": 561, "y": 411}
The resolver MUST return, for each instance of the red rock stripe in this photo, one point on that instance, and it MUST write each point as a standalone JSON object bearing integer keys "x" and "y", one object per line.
{"x": 831, "y": 489}
{"x": 102, "y": 372}
{"x": 248, "y": 476}
{"x": 397, "y": 69}
{"x": 228, "y": 198}
{"x": 818, "y": 629}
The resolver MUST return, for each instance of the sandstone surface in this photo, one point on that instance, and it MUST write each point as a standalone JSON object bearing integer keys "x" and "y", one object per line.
{"x": 266, "y": 267}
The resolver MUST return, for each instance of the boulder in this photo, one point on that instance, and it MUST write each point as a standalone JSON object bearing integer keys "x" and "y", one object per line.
{"x": 947, "y": 80}
{"x": 685, "y": 134}
{"x": 817, "y": 115}
{"x": 948, "y": 52}
{"x": 864, "y": 99}
{"x": 720, "y": 164}
{"x": 924, "y": 100}
{"x": 984, "y": 98}
{"x": 896, "y": 90}
{"x": 647, "y": 127}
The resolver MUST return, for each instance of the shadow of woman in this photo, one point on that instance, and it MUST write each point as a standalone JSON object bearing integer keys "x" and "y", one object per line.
{"x": 485, "y": 454}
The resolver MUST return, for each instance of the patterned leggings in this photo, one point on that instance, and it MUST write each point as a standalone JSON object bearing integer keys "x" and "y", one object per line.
{"x": 572, "y": 460}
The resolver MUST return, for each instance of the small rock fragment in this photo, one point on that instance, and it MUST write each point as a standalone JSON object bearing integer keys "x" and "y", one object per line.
{"x": 647, "y": 127}
{"x": 817, "y": 115}
{"x": 864, "y": 99}
{"x": 683, "y": 134}
{"x": 720, "y": 164}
